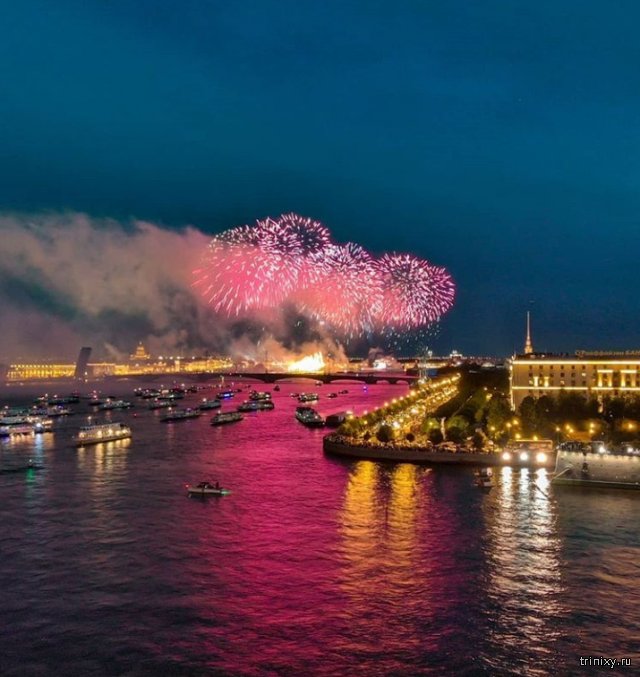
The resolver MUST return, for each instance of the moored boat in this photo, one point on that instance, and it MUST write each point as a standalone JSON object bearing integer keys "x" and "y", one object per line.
{"x": 597, "y": 469}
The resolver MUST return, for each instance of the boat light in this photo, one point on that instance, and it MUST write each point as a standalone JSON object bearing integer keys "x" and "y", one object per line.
{"x": 541, "y": 457}
{"x": 506, "y": 456}
{"x": 601, "y": 449}
{"x": 524, "y": 456}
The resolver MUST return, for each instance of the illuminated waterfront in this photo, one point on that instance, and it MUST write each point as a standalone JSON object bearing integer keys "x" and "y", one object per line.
{"x": 311, "y": 566}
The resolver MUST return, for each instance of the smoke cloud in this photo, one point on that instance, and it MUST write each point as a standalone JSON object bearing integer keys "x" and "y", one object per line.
{"x": 68, "y": 280}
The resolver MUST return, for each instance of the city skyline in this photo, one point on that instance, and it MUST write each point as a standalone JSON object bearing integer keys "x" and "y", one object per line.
{"x": 499, "y": 146}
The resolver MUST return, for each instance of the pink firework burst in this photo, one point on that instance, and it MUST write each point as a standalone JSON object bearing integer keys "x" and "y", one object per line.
{"x": 311, "y": 235}
{"x": 249, "y": 268}
{"x": 347, "y": 294}
{"x": 414, "y": 293}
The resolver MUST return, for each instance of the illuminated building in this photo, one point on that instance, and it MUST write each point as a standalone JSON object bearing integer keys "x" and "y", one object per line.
{"x": 40, "y": 371}
{"x": 45, "y": 371}
{"x": 592, "y": 374}
{"x": 595, "y": 373}
{"x": 141, "y": 355}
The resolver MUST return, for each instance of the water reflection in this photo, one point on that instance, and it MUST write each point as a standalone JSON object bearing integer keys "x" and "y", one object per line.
{"x": 104, "y": 458}
{"x": 525, "y": 584}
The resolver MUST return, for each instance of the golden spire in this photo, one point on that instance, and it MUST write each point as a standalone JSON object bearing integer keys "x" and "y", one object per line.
{"x": 528, "y": 347}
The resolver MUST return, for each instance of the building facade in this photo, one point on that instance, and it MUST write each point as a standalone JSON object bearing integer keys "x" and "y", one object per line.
{"x": 592, "y": 374}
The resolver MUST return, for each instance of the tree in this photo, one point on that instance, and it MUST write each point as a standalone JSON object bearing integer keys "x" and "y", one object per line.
{"x": 458, "y": 422}
{"x": 498, "y": 412}
{"x": 435, "y": 436}
{"x": 571, "y": 407}
{"x": 614, "y": 408}
{"x": 455, "y": 434}
{"x": 528, "y": 414}
{"x": 545, "y": 407}
{"x": 430, "y": 423}
{"x": 478, "y": 440}
{"x": 385, "y": 433}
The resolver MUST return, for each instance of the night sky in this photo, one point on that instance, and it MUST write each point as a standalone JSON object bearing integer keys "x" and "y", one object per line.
{"x": 498, "y": 139}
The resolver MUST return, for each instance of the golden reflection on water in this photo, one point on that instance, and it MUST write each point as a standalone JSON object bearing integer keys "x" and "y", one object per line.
{"x": 379, "y": 528}
{"x": 104, "y": 458}
{"x": 525, "y": 578}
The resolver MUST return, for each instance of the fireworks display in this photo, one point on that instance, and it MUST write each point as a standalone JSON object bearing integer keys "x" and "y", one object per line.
{"x": 293, "y": 260}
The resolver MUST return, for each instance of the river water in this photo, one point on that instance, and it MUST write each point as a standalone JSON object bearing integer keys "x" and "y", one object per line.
{"x": 312, "y": 566}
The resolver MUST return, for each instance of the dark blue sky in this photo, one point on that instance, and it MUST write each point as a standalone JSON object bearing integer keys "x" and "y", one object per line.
{"x": 499, "y": 139}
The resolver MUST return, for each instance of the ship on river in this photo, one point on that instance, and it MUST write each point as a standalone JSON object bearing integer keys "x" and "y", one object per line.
{"x": 597, "y": 468}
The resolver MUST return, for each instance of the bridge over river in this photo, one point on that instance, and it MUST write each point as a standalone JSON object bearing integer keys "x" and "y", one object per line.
{"x": 269, "y": 377}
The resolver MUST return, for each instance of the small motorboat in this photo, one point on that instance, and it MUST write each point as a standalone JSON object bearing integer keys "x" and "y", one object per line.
{"x": 484, "y": 478}
{"x": 332, "y": 396}
{"x": 308, "y": 397}
{"x": 276, "y": 388}
{"x": 207, "y": 489}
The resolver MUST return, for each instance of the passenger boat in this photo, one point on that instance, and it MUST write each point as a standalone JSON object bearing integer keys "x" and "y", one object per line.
{"x": 225, "y": 394}
{"x": 159, "y": 404}
{"x": 17, "y": 429}
{"x": 597, "y": 469}
{"x": 102, "y": 432}
{"x": 308, "y": 397}
{"x": 207, "y": 489}
{"x": 170, "y": 396}
{"x": 24, "y": 425}
{"x": 256, "y": 396}
{"x": 484, "y": 478}
{"x": 150, "y": 394}
{"x": 260, "y": 405}
{"x": 309, "y": 416}
{"x": 332, "y": 396}
{"x": 209, "y": 404}
{"x": 226, "y": 417}
{"x": 50, "y": 411}
{"x": 180, "y": 415}
{"x": 109, "y": 405}
{"x": 74, "y": 398}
